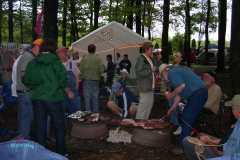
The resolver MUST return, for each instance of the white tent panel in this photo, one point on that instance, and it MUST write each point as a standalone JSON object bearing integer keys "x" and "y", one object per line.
{"x": 110, "y": 39}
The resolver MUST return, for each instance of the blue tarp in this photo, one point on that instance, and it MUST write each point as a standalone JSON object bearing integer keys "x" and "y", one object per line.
{"x": 26, "y": 150}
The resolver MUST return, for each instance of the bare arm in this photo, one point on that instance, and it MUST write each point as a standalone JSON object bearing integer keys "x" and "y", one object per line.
{"x": 177, "y": 91}
{"x": 177, "y": 99}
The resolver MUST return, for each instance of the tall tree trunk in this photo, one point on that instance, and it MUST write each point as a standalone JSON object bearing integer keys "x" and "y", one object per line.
{"x": 0, "y": 21}
{"x": 116, "y": 13}
{"x": 207, "y": 24}
{"x": 91, "y": 13}
{"x": 199, "y": 37}
{"x": 50, "y": 29}
{"x": 64, "y": 23}
{"x": 235, "y": 47}
{"x": 187, "y": 35}
{"x": 149, "y": 12}
{"x": 74, "y": 29}
{"x": 96, "y": 12}
{"x": 130, "y": 14}
{"x": 10, "y": 20}
{"x": 222, "y": 14}
{"x": 138, "y": 16}
{"x": 34, "y": 16}
{"x": 110, "y": 11}
{"x": 143, "y": 16}
{"x": 21, "y": 22}
{"x": 166, "y": 7}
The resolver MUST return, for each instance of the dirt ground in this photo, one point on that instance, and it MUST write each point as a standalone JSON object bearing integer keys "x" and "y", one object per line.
{"x": 99, "y": 149}
{"x": 102, "y": 150}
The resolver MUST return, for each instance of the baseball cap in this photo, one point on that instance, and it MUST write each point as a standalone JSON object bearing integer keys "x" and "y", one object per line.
{"x": 116, "y": 86}
{"x": 163, "y": 67}
{"x": 157, "y": 50}
{"x": 147, "y": 45}
{"x": 38, "y": 42}
{"x": 124, "y": 71}
{"x": 62, "y": 49}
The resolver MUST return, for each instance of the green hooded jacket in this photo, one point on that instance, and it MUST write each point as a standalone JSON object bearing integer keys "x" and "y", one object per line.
{"x": 46, "y": 78}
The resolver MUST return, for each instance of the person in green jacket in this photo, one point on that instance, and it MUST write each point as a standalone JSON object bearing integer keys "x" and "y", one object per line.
{"x": 144, "y": 70}
{"x": 91, "y": 70}
{"x": 47, "y": 80}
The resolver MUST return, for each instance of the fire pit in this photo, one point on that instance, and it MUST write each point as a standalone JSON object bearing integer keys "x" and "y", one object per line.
{"x": 82, "y": 130}
{"x": 88, "y": 126}
{"x": 153, "y": 135}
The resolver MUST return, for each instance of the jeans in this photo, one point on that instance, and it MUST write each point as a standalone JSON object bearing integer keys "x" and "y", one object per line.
{"x": 191, "y": 111}
{"x": 72, "y": 105}
{"x": 190, "y": 151}
{"x": 56, "y": 112}
{"x": 90, "y": 93}
{"x": 25, "y": 114}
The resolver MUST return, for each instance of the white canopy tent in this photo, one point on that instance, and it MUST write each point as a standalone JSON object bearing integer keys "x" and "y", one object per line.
{"x": 111, "y": 38}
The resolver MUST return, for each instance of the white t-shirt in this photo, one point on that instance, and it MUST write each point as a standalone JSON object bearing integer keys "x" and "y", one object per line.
{"x": 14, "y": 77}
{"x": 71, "y": 65}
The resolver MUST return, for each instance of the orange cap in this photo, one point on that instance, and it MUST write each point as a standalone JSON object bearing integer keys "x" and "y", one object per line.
{"x": 38, "y": 42}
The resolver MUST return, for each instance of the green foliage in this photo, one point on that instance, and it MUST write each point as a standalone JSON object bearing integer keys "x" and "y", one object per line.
{"x": 198, "y": 10}
{"x": 117, "y": 11}
{"x": 177, "y": 42}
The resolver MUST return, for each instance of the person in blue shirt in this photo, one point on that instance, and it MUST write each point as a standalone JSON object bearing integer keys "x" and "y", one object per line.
{"x": 122, "y": 101}
{"x": 185, "y": 84}
{"x": 230, "y": 142}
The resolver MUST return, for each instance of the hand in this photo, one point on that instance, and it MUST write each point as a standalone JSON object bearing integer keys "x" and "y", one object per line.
{"x": 169, "y": 112}
{"x": 168, "y": 95}
{"x": 70, "y": 94}
{"x": 205, "y": 139}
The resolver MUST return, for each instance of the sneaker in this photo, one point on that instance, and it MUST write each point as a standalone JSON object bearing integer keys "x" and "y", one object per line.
{"x": 178, "y": 131}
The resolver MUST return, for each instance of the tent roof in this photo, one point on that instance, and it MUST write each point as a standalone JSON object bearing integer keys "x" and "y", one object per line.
{"x": 109, "y": 37}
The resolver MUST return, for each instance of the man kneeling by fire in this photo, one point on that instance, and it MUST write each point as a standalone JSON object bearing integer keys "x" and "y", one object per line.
{"x": 122, "y": 101}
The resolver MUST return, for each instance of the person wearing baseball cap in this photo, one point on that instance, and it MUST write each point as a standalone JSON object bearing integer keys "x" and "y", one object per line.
{"x": 25, "y": 113}
{"x": 188, "y": 86}
{"x": 122, "y": 101}
{"x": 36, "y": 46}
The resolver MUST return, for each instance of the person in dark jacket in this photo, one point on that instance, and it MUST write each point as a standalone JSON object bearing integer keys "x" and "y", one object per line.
{"x": 110, "y": 70}
{"x": 144, "y": 70}
{"x": 125, "y": 63}
{"x": 46, "y": 78}
{"x": 122, "y": 101}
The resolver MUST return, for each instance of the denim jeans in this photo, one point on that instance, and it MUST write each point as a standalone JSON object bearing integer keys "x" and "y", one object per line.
{"x": 56, "y": 112}
{"x": 72, "y": 105}
{"x": 191, "y": 111}
{"x": 90, "y": 93}
{"x": 25, "y": 114}
{"x": 190, "y": 151}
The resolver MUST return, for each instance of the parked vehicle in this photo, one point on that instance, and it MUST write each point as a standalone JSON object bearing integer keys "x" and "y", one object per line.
{"x": 210, "y": 58}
